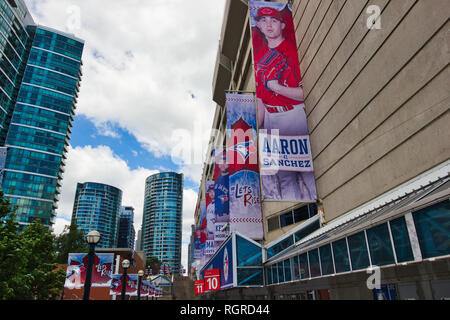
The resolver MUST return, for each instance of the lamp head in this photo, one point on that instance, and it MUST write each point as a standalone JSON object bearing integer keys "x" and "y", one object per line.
{"x": 93, "y": 237}
{"x": 126, "y": 264}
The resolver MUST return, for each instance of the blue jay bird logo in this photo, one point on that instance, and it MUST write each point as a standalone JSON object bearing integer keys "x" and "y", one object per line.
{"x": 244, "y": 149}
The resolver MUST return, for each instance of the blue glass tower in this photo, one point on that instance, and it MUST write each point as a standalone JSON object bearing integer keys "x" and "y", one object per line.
{"x": 97, "y": 207}
{"x": 127, "y": 234}
{"x": 162, "y": 218}
{"x": 40, "y": 78}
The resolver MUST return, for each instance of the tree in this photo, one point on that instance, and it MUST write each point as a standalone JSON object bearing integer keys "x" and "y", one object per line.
{"x": 70, "y": 242}
{"x": 27, "y": 260}
{"x": 154, "y": 264}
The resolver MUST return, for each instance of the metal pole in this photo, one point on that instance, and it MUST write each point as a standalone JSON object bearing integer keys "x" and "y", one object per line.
{"x": 124, "y": 282}
{"x": 87, "y": 283}
{"x": 139, "y": 287}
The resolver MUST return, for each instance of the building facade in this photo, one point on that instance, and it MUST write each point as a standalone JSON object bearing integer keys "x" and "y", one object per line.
{"x": 162, "y": 218}
{"x": 40, "y": 72}
{"x": 127, "y": 234}
{"x": 97, "y": 207}
{"x": 377, "y": 104}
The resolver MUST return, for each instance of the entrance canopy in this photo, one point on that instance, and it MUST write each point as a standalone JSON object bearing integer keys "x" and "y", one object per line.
{"x": 239, "y": 260}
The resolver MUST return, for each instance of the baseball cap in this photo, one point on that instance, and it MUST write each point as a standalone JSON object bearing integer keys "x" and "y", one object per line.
{"x": 267, "y": 11}
{"x": 210, "y": 187}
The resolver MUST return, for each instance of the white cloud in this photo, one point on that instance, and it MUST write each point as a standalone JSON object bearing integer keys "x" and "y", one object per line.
{"x": 59, "y": 225}
{"x": 144, "y": 61}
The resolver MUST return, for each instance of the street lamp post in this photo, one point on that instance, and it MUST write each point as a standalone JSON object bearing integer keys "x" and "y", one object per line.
{"x": 125, "y": 266}
{"x": 140, "y": 275}
{"x": 92, "y": 239}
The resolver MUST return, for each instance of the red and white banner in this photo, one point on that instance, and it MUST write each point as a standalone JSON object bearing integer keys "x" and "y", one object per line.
{"x": 287, "y": 172}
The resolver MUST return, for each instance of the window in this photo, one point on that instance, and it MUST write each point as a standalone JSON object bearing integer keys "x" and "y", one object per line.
{"x": 314, "y": 263}
{"x": 286, "y": 219}
{"x": 250, "y": 277}
{"x": 380, "y": 245}
{"x": 301, "y": 214}
{"x": 304, "y": 266}
{"x": 275, "y": 274}
{"x": 326, "y": 260}
{"x": 287, "y": 270}
{"x": 401, "y": 240}
{"x": 433, "y": 229}
{"x": 249, "y": 254}
{"x": 358, "y": 251}
{"x": 341, "y": 260}
{"x": 296, "y": 268}
{"x": 280, "y": 246}
{"x": 273, "y": 224}
{"x": 269, "y": 275}
{"x": 280, "y": 271}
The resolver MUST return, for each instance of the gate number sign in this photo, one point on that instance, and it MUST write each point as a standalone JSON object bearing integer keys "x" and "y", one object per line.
{"x": 199, "y": 287}
{"x": 212, "y": 280}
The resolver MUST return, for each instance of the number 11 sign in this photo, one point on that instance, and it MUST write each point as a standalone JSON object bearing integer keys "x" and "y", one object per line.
{"x": 212, "y": 280}
{"x": 199, "y": 287}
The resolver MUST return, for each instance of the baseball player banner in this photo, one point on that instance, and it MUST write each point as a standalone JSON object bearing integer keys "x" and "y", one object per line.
{"x": 77, "y": 267}
{"x": 287, "y": 172}
{"x": 221, "y": 197}
{"x": 242, "y": 155}
{"x": 197, "y": 251}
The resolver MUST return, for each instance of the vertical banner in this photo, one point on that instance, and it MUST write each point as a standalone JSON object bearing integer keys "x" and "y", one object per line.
{"x": 3, "y": 153}
{"x": 221, "y": 197}
{"x": 197, "y": 251}
{"x": 101, "y": 270}
{"x": 131, "y": 285}
{"x": 242, "y": 155}
{"x": 209, "y": 243}
{"x": 287, "y": 172}
{"x": 203, "y": 234}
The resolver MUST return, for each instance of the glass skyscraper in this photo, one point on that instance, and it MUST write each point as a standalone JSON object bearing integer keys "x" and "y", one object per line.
{"x": 97, "y": 207}
{"x": 162, "y": 218}
{"x": 127, "y": 234}
{"x": 40, "y": 74}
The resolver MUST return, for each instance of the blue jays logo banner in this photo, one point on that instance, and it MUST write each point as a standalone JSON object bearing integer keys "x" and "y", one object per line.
{"x": 285, "y": 154}
{"x": 131, "y": 285}
{"x": 242, "y": 156}
{"x": 77, "y": 267}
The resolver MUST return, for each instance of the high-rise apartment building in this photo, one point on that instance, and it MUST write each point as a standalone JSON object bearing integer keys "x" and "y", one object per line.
{"x": 40, "y": 74}
{"x": 127, "y": 234}
{"x": 162, "y": 218}
{"x": 97, "y": 207}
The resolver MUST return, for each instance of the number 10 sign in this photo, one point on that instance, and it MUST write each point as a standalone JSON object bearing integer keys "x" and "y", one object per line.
{"x": 212, "y": 280}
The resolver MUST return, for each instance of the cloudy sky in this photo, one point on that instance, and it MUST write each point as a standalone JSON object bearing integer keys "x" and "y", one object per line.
{"x": 145, "y": 104}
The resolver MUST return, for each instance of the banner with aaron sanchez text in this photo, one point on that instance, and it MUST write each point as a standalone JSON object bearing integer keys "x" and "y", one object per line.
{"x": 287, "y": 172}
{"x": 242, "y": 157}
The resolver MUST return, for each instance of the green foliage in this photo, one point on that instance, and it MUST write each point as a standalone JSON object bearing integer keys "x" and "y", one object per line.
{"x": 70, "y": 242}
{"x": 27, "y": 260}
{"x": 154, "y": 264}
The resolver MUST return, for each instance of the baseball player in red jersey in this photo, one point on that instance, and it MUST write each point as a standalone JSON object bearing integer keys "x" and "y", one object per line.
{"x": 280, "y": 103}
